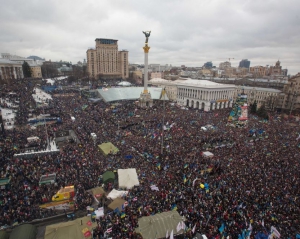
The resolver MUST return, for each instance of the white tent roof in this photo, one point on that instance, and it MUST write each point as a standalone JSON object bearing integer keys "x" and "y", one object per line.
{"x": 128, "y": 178}
{"x": 116, "y": 194}
{"x": 124, "y": 83}
{"x": 208, "y": 154}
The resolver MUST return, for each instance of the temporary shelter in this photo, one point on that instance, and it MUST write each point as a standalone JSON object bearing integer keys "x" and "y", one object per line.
{"x": 157, "y": 226}
{"x": 77, "y": 229}
{"x": 117, "y": 203}
{"x": 4, "y": 235}
{"x": 108, "y": 148}
{"x": 116, "y": 194}
{"x": 207, "y": 154}
{"x": 25, "y": 231}
{"x": 98, "y": 192}
{"x": 128, "y": 178}
{"x": 108, "y": 176}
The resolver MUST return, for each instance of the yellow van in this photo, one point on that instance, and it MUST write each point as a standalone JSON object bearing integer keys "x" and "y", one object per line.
{"x": 64, "y": 194}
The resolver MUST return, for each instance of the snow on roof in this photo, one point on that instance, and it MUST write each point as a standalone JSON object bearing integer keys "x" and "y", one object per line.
{"x": 124, "y": 83}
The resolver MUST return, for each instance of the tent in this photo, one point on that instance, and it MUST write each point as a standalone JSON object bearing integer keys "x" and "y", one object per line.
{"x": 157, "y": 226}
{"x": 76, "y": 229}
{"x": 117, "y": 203}
{"x": 207, "y": 154}
{"x": 98, "y": 192}
{"x": 25, "y": 231}
{"x": 4, "y": 235}
{"x": 108, "y": 176}
{"x": 108, "y": 148}
{"x": 128, "y": 178}
{"x": 116, "y": 194}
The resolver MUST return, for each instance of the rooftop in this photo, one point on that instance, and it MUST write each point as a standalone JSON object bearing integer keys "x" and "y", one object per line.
{"x": 128, "y": 93}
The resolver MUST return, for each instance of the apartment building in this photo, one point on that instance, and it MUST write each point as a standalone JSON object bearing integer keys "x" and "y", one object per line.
{"x": 106, "y": 61}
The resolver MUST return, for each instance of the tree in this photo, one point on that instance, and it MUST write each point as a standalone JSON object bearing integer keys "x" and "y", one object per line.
{"x": 253, "y": 107}
{"x": 26, "y": 69}
{"x": 262, "y": 112}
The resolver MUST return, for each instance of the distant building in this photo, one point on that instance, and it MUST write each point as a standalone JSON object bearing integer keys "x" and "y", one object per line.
{"x": 156, "y": 75}
{"x": 208, "y": 65}
{"x": 36, "y": 71}
{"x": 106, "y": 61}
{"x": 258, "y": 71}
{"x": 245, "y": 63}
{"x": 10, "y": 70}
{"x": 291, "y": 100}
{"x": 224, "y": 65}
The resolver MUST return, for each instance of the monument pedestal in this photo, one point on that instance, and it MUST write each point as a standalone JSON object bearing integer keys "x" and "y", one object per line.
{"x": 145, "y": 100}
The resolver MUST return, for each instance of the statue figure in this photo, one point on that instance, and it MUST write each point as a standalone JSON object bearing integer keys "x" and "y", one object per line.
{"x": 147, "y": 35}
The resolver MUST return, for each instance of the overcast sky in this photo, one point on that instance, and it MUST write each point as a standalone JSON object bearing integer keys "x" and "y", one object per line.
{"x": 185, "y": 32}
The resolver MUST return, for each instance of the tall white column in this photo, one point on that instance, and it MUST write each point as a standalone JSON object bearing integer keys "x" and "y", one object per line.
{"x": 21, "y": 72}
{"x": 145, "y": 72}
{"x": 14, "y": 71}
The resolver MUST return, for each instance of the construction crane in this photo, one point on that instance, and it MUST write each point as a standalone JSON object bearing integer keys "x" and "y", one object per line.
{"x": 230, "y": 59}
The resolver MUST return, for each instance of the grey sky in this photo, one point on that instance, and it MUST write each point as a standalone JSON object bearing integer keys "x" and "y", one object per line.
{"x": 186, "y": 32}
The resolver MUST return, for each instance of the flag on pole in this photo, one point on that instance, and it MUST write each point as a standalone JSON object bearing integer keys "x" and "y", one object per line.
{"x": 194, "y": 228}
{"x": 183, "y": 226}
{"x": 109, "y": 230}
{"x": 178, "y": 228}
{"x": 172, "y": 235}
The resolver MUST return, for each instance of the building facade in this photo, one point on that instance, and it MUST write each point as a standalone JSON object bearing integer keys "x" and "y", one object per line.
{"x": 198, "y": 94}
{"x": 262, "y": 96}
{"x": 35, "y": 67}
{"x": 36, "y": 71}
{"x": 10, "y": 70}
{"x": 258, "y": 71}
{"x": 245, "y": 63}
{"x": 106, "y": 61}
{"x": 291, "y": 98}
{"x": 224, "y": 65}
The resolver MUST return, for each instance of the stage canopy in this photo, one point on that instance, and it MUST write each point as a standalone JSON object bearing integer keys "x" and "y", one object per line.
{"x": 108, "y": 148}
{"x": 77, "y": 229}
{"x": 128, "y": 93}
{"x": 128, "y": 178}
{"x": 157, "y": 226}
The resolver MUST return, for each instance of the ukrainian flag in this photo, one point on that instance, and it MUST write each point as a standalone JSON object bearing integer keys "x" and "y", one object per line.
{"x": 186, "y": 165}
{"x": 174, "y": 207}
{"x": 123, "y": 214}
{"x": 158, "y": 165}
{"x": 184, "y": 179}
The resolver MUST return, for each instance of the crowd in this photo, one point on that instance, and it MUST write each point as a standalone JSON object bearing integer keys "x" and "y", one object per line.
{"x": 255, "y": 187}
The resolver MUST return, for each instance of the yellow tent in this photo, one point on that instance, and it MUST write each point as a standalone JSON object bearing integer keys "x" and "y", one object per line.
{"x": 108, "y": 148}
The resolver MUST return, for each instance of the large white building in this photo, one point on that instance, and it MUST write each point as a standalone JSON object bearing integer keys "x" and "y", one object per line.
{"x": 10, "y": 70}
{"x": 208, "y": 95}
{"x": 200, "y": 94}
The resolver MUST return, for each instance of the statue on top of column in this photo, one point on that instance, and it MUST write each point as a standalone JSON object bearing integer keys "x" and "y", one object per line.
{"x": 147, "y": 35}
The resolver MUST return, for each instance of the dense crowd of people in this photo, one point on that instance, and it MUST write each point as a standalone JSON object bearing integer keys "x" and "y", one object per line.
{"x": 254, "y": 183}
